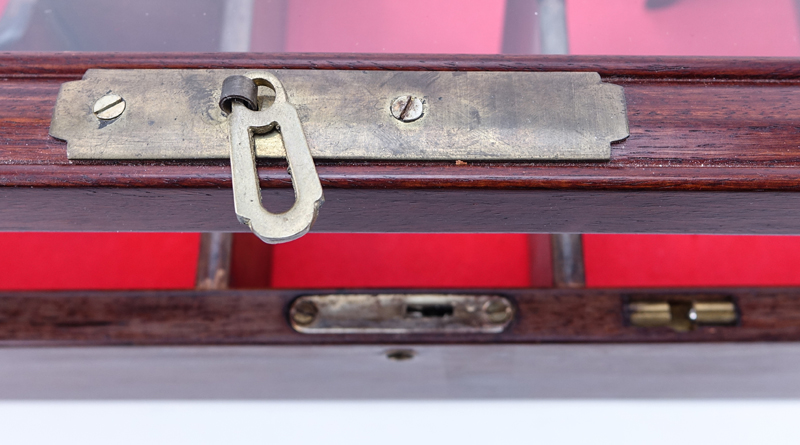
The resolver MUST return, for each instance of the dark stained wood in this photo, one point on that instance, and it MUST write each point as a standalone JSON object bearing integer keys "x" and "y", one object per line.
{"x": 73, "y": 64}
{"x": 719, "y": 125}
{"x": 413, "y": 210}
{"x": 259, "y": 317}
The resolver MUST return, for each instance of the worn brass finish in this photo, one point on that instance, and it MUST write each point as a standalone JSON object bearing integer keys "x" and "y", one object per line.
{"x": 346, "y": 114}
{"x": 400, "y": 314}
{"x": 109, "y": 107}
{"x": 295, "y": 222}
{"x": 649, "y": 314}
{"x": 303, "y": 313}
{"x": 713, "y": 312}
{"x": 681, "y": 316}
{"x": 407, "y": 108}
{"x": 238, "y": 89}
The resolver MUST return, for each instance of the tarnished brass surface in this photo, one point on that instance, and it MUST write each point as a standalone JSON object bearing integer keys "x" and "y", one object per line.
{"x": 681, "y": 316}
{"x": 173, "y": 114}
{"x": 650, "y": 314}
{"x": 244, "y": 123}
{"x": 713, "y": 312}
{"x": 400, "y": 313}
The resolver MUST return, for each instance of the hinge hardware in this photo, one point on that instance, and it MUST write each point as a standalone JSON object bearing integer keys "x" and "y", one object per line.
{"x": 681, "y": 316}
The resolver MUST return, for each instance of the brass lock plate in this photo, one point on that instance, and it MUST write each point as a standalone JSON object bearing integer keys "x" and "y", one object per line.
{"x": 346, "y": 114}
{"x": 400, "y": 314}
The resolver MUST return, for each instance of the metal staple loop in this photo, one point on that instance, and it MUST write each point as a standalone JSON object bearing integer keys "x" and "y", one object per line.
{"x": 238, "y": 89}
{"x": 244, "y": 122}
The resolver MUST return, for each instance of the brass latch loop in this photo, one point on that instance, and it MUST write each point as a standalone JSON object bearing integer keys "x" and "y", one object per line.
{"x": 280, "y": 116}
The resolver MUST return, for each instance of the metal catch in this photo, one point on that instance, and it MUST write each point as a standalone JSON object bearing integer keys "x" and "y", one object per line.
{"x": 280, "y": 116}
{"x": 400, "y": 313}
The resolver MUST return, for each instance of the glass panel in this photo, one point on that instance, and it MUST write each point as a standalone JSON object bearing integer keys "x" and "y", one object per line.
{"x": 625, "y": 27}
{"x": 630, "y": 27}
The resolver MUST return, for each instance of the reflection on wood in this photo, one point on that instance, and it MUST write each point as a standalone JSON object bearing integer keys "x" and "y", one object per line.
{"x": 260, "y": 317}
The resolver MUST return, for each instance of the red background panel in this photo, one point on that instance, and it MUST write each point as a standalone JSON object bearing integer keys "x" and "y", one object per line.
{"x": 402, "y": 260}
{"x": 691, "y": 260}
{"x": 44, "y": 261}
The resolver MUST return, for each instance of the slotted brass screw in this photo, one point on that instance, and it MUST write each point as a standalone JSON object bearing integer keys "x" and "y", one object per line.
{"x": 304, "y": 313}
{"x": 407, "y": 108}
{"x": 497, "y": 310}
{"x": 110, "y": 106}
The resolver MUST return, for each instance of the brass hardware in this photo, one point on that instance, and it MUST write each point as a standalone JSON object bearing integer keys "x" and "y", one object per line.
{"x": 649, "y": 314}
{"x": 303, "y": 313}
{"x": 407, "y": 108}
{"x": 346, "y": 114}
{"x": 400, "y": 314}
{"x": 109, "y": 107}
{"x": 238, "y": 89}
{"x": 244, "y": 122}
{"x": 713, "y": 312}
{"x": 498, "y": 310}
{"x": 681, "y": 316}
{"x": 330, "y": 114}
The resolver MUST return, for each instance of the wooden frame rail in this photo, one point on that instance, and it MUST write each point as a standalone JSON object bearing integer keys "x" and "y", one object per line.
{"x": 714, "y": 148}
{"x": 230, "y": 317}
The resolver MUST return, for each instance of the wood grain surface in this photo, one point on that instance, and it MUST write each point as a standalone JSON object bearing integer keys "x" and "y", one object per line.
{"x": 260, "y": 317}
{"x": 717, "y": 125}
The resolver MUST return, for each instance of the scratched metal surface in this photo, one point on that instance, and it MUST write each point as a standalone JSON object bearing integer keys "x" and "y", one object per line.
{"x": 345, "y": 114}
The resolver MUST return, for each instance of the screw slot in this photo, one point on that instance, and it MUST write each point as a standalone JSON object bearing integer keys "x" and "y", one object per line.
{"x": 108, "y": 107}
{"x": 407, "y": 108}
{"x": 304, "y": 313}
{"x": 498, "y": 310}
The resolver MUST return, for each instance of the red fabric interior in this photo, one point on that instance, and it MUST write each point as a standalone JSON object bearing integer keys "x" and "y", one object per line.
{"x": 401, "y": 260}
{"x": 690, "y": 27}
{"x": 45, "y": 261}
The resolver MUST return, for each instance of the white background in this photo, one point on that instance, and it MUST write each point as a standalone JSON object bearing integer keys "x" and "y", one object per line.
{"x": 387, "y": 422}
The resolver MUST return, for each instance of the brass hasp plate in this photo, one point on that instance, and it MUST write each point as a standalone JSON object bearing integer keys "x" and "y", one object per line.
{"x": 346, "y": 114}
{"x": 303, "y": 115}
